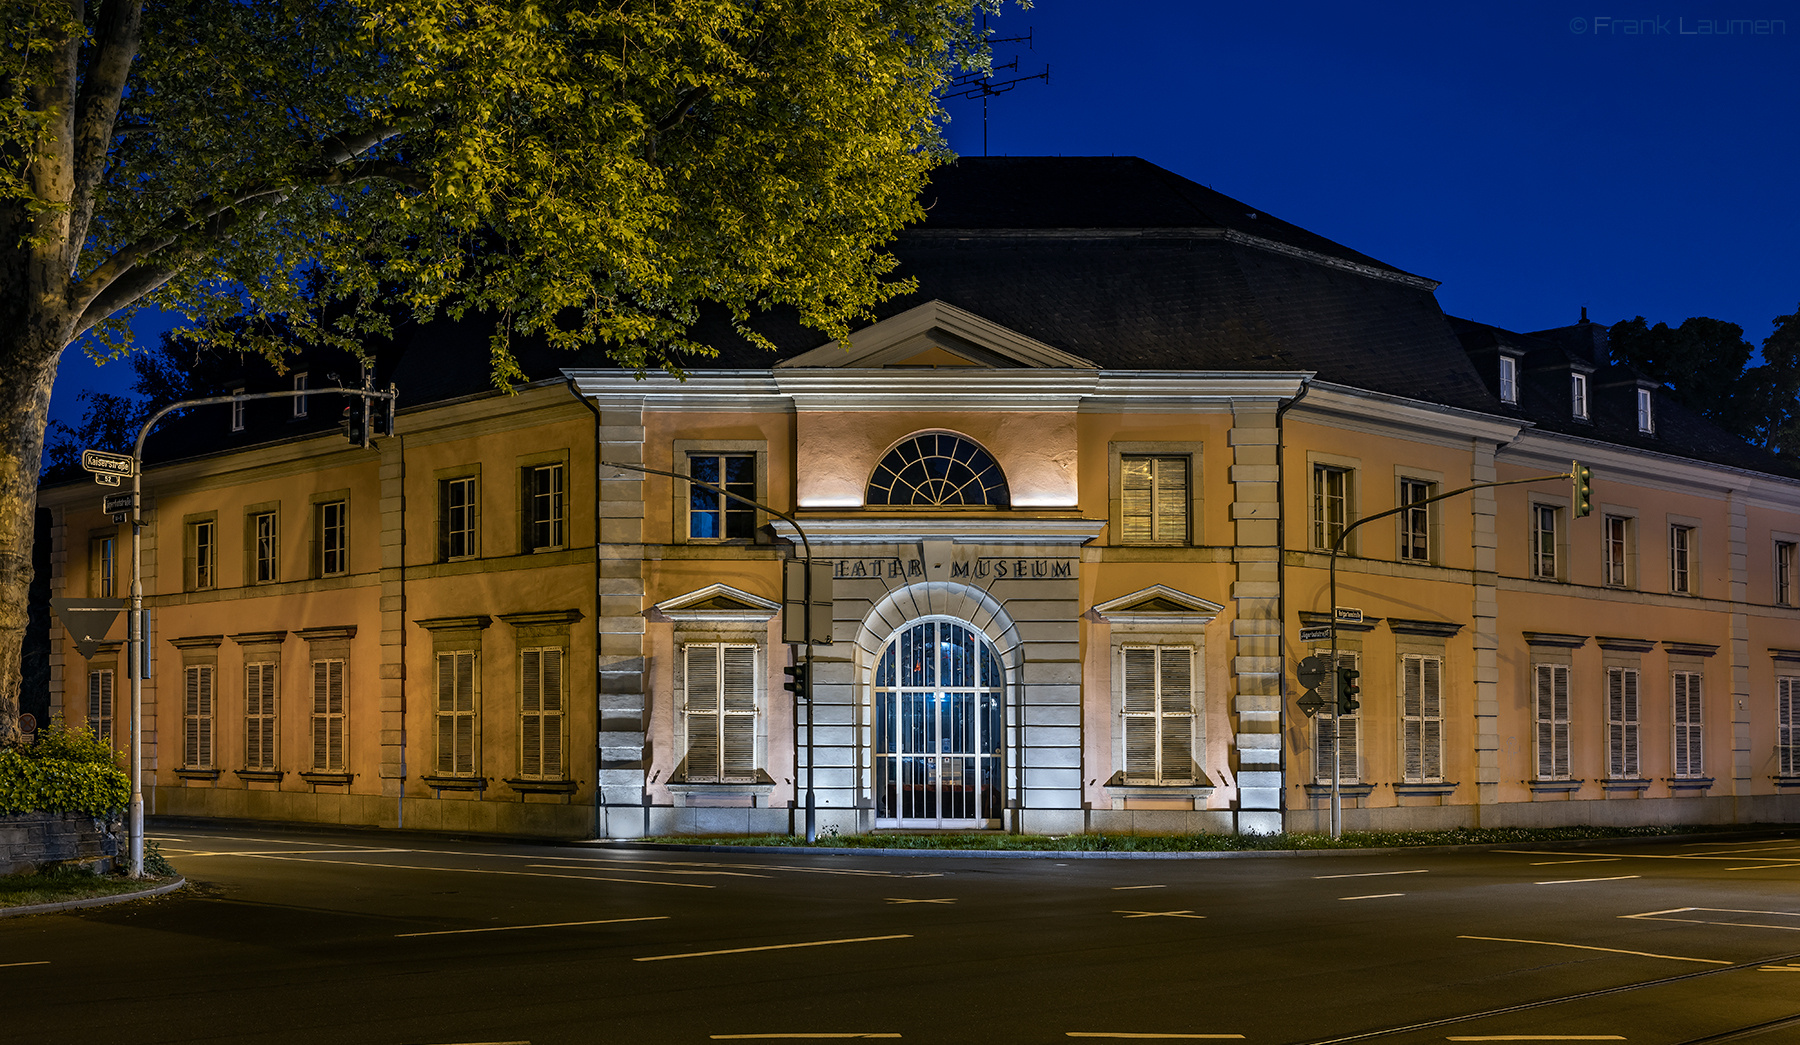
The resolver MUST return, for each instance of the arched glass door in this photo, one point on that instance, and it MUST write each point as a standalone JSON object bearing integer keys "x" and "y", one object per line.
{"x": 938, "y": 717}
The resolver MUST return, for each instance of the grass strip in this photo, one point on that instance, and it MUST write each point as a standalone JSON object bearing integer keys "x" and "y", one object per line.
{"x": 1207, "y": 842}
{"x": 24, "y": 890}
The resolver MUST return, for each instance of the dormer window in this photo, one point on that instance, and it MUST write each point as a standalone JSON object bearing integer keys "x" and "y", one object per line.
{"x": 1509, "y": 380}
{"x": 1645, "y": 412}
{"x": 1578, "y": 395}
{"x": 237, "y": 411}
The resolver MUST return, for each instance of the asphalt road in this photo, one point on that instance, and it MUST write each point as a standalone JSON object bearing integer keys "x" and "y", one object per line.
{"x": 315, "y": 937}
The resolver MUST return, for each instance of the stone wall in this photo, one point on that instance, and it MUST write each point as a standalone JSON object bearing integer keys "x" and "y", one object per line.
{"x": 31, "y": 841}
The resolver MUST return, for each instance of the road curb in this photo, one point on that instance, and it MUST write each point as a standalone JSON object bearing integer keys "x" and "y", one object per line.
{"x": 92, "y": 901}
{"x": 1235, "y": 854}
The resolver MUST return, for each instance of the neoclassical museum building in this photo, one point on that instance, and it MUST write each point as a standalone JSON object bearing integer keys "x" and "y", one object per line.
{"x": 1075, "y": 495}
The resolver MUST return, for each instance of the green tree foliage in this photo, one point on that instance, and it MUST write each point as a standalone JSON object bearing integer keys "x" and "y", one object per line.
{"x": 1706, "y": 365}
{"x": 593, "y": 172}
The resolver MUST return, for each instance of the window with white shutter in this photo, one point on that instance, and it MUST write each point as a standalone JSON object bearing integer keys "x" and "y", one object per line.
{"x": 259, "y": 716}
{"x": 197, "y": 718}
{"x": 1787, "y": 738}
{"x": 1332, "y": 731}
{"x": 1422, "y": 719}
{"x": 456, "y": 713}
{"x": 100, "y": 703}
{"x": 720, "y": 712}
{"x": 328, "y": 715}
{"x": 541, "y": 713}
{"x": 1690, "y": 731}
{"x": 1153, "y": 499}
{"x": 1622, "y": 724}
{"x": 1158, "y": 721}
{"x": 1552, "y": 721}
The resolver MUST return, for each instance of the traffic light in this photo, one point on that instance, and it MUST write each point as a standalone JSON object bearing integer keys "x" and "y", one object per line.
{"x": 1347, "y": 689}
{"x": 796, "y": 680}
{"x": 1582, "y": 477}
{"x": 356, "y": 422}
{"x": 382, "y": 414}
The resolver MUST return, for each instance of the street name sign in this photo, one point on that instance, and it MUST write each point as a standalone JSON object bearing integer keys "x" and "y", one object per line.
{"x": 103, "y": 462}
{"x": 1317, "y": 633}
{"x": 1348, "y": 615}
{"x": 115, "y": 503}
{"x": 88, "y": 621}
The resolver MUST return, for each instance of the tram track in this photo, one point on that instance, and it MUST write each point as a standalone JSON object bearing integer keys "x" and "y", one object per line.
{"x": 1739, "y": 1034}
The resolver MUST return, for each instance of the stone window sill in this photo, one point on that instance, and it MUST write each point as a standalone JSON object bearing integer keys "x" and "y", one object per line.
{"x": 698, "y": 793}
{"x": 456, "y": 783}
{"x": 1345, "y": 790}
{"x": 1554, "y": 787}
{"x": 1690, "y": 783}
{"x": 1625, "y": 784}
{"x": 1158, "y": 796}
{"x": 543, "y": 787}
{"x": 1432, "y": 790}
{"x": 197, "y": 774}
{"x": 267, "y": 776}
{"x": 323, "y": 777}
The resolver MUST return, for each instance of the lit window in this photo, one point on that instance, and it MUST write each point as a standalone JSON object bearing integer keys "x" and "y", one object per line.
{"x": 1646, "y": 416}
{"x": 237, "y": 411}
{"x": 300, "y": 401}
{"x": 1159, "y": 714}
{"x": 1681, "y": 559}
{"x": 1331, "y": 505}
{"x": 1545, "y": 520}
{"x": 1690, "y": 728}
{"x": 544, "y": 507}
{"x": 712, "y": 515}
{"x": 1578, "y": 395}
{"x": 1552, "y": 720}
{"x": 938, "y": 470}
{"x": 1509, "y": 380}
{"x": 1153, "y": 500}
{"x": 1415, "y": 520}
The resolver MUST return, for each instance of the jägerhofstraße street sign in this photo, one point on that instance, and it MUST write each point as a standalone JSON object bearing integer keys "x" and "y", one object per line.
{"x": 115, "y": 503}
{"x": 88, "y": 621}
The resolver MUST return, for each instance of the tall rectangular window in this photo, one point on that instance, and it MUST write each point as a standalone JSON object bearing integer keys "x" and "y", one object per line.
{"x": 1422, "y": 719}
{"x": 100, "y": 703}
{"x": 1787, "y": 736}
{"x": 544, "y": 507}
{"x": 1690, "y": 728}
{"x": 105, "y": 556}
{"x": 328, "y": 715}
{"x": 1578, "y": 396}
{"x": 300, "y": 401}
{"x": 197, "y": 718}
{"x": 720, "y": 711}
{"x": 1787, "y": 584}
{"x": 1509, "y": 380}
{"x": 203, "y": 542}
{"x": 1159, "y": 714}
{"x": 237, "y": 411}
{"x": 1646, "y": 414}
{"x": 1616, "y": 535}
{"x": 1545, "y": 520}
{"x": 334, "y": 538}
{"x": 1552, "y": 721}
{"x": 266, "y": 532}
{"x": 1331, "y": 504}
{"x": 1681, "y": 559}
{"x": 1622, "y": 724}
{"x": 259, "y": 716}
{"x": 1334, "y": 732}
{"x": 1153, "y": 499}
{"x": 712, "y": 515}
{"x": 456, "y": 713}
{"x": 1415, "y": 519}
{"x": 541, "y": 703}
{"x": 457, "y": 514}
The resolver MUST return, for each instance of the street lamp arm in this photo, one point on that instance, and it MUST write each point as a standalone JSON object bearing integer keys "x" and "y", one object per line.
{"x": 722, "y": 491}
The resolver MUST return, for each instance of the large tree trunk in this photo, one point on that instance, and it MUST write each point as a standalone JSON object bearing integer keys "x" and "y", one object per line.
{"x": 27, "y": 372}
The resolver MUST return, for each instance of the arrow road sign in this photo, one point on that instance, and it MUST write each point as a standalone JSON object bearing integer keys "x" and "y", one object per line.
{"x": 88, "y": 620}
{"x": 103, "y": 462}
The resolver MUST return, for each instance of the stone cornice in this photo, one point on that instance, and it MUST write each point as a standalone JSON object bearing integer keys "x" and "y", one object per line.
{"x": 1554, "y": 639}
{"x": 537, "y": 618}
{"x": 197, "y": 641}
{"x": 1622, "y": 645}
{"x": 1551, "y": 451}
{"x": 1377, "y": 413}
{"x": 259, "y": 638}
{"x": 346, "y": 631}
{"x": 477, "y": 622}
{"x": 1689, "y": 649}
{"x": 1001, "y": 529}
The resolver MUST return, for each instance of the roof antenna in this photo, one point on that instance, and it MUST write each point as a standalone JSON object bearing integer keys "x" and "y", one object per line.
{"x": 983, "y": 86}
{"x": 1584, "y": 318}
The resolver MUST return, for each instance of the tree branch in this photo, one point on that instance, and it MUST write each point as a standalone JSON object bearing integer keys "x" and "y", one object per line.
{"x": 679, "y": 112}
{"x": 115, "y": 44}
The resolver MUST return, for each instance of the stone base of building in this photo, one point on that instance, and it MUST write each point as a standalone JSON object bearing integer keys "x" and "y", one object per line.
{"x": 37, "y": 841}
{"x": 1603, "y": 812}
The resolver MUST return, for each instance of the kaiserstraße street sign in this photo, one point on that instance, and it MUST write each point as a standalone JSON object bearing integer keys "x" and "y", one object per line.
{"x": 105, "y": 462}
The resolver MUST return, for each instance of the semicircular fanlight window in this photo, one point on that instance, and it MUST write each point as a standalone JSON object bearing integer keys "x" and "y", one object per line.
{"x": 938, "y": 470}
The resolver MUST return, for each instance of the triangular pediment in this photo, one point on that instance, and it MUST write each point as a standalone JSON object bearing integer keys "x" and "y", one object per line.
{"x": 1159, "y": 603}
{"x": 718, "y": 602}
{"x": 938, "y": 335}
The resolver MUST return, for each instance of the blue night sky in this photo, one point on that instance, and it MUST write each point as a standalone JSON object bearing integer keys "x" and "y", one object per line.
{"x": 1533, "y": 157}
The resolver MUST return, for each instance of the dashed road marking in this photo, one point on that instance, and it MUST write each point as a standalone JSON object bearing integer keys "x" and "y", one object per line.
{"x": 1577, "y": 881}
{"x": 1536, "y": 1037}
{"x": 902, "y": 899}
{"x": 1586, "y": 860}
{"x": 1658, "y": 916}
{"x": 1119, "y": 888}
{"x": 806, "y": 1034}
{"x": 1160, "y": 914}
{"x": 1586, "y": 947}
{"x": 1371, "y": 896}
{"x": 540, "y": 925}
{"x": 1144, "y": 1034}
{"x": 650, "y": 870}
{"x": 485, "y": 870}
{"x": 772, "y": 947}
{"x": 14, "y": 965}
{"x": 1368, "y": 874}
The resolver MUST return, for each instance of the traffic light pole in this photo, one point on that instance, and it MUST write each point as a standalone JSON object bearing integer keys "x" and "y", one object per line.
{"x": 137, "y": 657}
{"x": 812, "y": 819}
{"x": 1577, "y": 473}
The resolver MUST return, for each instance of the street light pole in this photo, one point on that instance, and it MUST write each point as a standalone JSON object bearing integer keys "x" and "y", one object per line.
{"x": 1337, "y": 810}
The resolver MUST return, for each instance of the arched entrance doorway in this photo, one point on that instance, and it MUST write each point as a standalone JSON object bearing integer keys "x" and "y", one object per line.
{"x": 939, "y": 710}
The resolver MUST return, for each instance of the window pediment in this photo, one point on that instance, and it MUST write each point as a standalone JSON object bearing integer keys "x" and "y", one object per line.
{"x": 718, "y": 602}
{"x": 1158, "y": 605}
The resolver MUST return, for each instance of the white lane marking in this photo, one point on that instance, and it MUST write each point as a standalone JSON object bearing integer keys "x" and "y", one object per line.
{"x": 1130, "y": 1034}
{"x": 1649, "y": 856}
{"x": 808, "y": 1034}
{"x": 1577, "y": 881}
{"x": 540, "y": 925}
{"x": 483, "y": 870}
{"x": 14, "y": 965}
{"x": 1763, "y": 867}
{"x": 901, "y": 899}
{"x": 1371, "y": 896}
{"x": 773, "y": 947}
{"x": 1160, "y": 914}
{"x": 1781, "y": 968}
{"x": 188, "y": 854}
{"x": 1368, "y": 874}
{"x": 1585, "y": 947}
{"x": 525, "y": 1042}
{"x": 1121, "y": 888}
{"x": 1536, "y": 1037}
{"x": 1589, "y": 860}
{"x": 649, "y": 870}
{"x": 1657, "y": 916}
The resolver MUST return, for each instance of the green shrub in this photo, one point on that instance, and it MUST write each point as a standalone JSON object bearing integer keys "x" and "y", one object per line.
{"x": 57, "y": 741}
{"x": 33, "y": 781}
